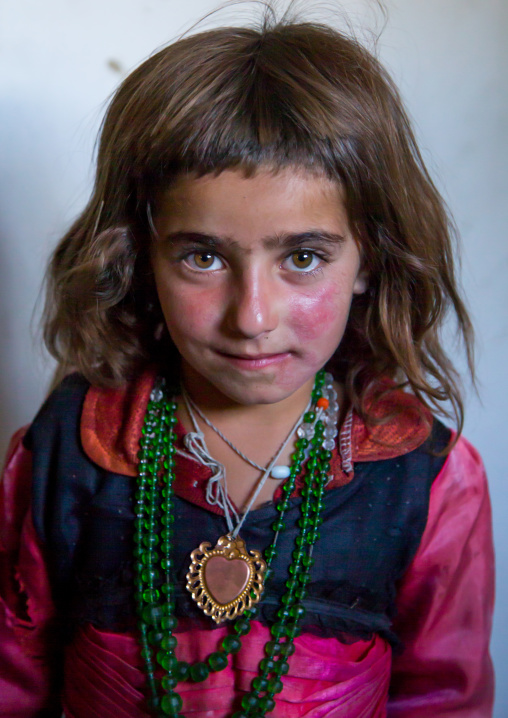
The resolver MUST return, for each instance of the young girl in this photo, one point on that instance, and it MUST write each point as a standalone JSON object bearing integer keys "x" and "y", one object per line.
{"x": 237, "y": 502}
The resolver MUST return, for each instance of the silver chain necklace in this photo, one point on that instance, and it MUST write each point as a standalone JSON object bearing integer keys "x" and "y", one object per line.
{"x": 277, "y": 471}
{"x": 216, "y": 492}
{"x": 217, "y": 487}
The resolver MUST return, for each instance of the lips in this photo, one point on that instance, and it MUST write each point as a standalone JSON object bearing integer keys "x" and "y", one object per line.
{"x": 252, "y": 357}
{"x": 255, "y": 361}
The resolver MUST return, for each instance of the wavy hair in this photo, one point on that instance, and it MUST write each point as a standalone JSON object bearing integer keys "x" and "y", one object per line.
{"x": 284, "y": 94}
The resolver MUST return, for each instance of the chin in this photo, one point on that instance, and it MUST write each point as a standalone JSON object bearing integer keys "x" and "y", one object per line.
{"x": 254, "y": 397}
{"x": 264, "y": 393}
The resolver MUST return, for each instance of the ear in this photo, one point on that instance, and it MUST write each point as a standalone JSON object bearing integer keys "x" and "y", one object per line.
{"x": 361, "y": 282}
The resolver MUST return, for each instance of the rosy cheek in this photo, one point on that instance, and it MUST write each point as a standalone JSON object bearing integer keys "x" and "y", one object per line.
{"x": 188, "y": 313}
{"x": 314, "y": 315}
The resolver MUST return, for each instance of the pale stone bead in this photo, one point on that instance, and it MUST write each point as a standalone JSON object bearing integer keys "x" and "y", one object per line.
{"x": 306, "y": 431}
{"x": 156, "y": 395}
{"x": 330, "y": 432}
{"x": 280, "y": 472}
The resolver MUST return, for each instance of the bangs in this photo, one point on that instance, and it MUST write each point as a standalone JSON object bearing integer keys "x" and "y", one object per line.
{"x": 228, "y": 99}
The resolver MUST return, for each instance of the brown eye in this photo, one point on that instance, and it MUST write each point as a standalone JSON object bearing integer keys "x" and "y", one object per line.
{"x": 302, "y": 261}
{"x": 204, "y": 260}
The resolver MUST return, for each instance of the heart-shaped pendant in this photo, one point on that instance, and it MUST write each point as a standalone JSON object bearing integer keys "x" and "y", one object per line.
{"x": 227, "y": 580}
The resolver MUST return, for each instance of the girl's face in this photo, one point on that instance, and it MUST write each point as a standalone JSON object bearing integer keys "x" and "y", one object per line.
{"x": 255, "y": 278}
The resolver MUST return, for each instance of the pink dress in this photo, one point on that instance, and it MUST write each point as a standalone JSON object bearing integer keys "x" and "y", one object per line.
{"x": 444, "y": 607}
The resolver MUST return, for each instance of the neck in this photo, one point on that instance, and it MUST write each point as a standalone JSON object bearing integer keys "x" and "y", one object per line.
{"x": 226, "y": 411}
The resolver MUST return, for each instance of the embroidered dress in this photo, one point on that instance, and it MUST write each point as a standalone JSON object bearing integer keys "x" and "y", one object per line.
{"x": 398, "y": 612}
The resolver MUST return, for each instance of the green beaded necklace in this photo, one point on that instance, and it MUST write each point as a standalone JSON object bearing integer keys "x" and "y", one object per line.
{"x": 154, "y": 586}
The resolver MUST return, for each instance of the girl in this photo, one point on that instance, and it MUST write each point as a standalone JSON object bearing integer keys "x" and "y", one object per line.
{"x": 237, "y": 501}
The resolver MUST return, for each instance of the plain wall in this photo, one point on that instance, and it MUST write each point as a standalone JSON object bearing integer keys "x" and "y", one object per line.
{"x": 59, "y": 61}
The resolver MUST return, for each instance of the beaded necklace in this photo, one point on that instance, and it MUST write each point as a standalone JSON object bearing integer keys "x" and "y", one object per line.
{"x": 153, "y": 563}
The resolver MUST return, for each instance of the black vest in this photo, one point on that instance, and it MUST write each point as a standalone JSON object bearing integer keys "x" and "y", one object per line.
{"x": 83, "y": 515}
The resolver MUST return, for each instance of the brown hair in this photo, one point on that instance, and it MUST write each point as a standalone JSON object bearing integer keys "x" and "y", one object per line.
{"x": 286, "y": 94}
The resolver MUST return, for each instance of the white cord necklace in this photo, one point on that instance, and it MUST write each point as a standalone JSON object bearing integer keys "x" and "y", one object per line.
{"x": 279, "y": 471}
{"x": 217, "y": 485}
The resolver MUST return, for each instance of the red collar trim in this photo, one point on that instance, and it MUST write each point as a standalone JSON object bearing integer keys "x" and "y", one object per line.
{"x": 112, "y": 419}
{"x": 404, "y": 424}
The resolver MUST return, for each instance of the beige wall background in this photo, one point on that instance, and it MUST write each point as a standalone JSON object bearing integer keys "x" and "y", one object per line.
{"x": 61, "y": 59}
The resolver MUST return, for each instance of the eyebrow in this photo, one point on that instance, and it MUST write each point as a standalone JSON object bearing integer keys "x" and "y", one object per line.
{"x": 285, "y": 240}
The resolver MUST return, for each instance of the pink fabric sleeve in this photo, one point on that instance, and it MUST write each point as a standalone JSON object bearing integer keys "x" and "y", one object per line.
{"x": 445, "y": 601}
{"x": 26, "y": 610}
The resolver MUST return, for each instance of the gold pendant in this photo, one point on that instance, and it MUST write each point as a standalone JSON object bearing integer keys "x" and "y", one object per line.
{"x": 227, "y": 580}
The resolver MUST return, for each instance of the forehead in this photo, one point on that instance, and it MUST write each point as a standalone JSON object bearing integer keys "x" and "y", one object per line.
{"x": 285, "y": 200}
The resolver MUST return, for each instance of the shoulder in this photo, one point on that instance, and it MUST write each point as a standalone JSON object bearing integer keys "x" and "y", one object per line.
{"x": 67, "y": 477}
{"x": 73, "y": 387}
{"x": 32, "y": 452}
{"x": 403, "y": 440}
{"x": 398, "y": 424}
{"x": 461, "y": 486}
{"x": 60, "y": 411}
{"x": 459, "y": 513}
{"x": 102, "y": 422}
{"x": 111, "y": 423}
{"x": 463, "y": 467}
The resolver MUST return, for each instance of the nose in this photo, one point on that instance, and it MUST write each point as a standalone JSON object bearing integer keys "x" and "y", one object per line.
{"x": 253, "y": 308}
